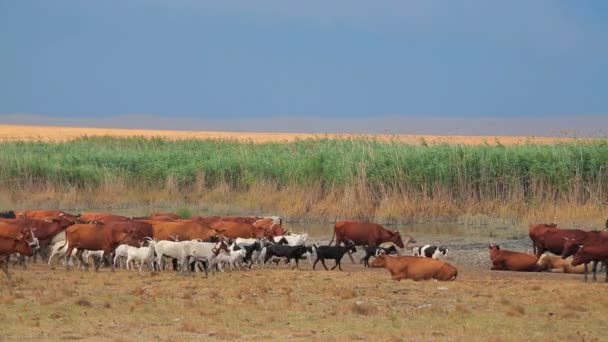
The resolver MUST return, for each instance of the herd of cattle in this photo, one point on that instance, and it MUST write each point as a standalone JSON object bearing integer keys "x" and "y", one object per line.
{"x": 212, "y": 243}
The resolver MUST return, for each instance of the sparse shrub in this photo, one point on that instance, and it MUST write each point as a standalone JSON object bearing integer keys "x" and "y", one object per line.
{"x": 184, "y": 212}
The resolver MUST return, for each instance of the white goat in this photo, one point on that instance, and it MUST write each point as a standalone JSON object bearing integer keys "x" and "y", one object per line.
{"x": 199, "y": 251}
{"x": 143, "y": 255}
{"x": 59, "y": 249}
{"x": 121, "y": 253}
{"x": 231, "y": 258}
{"x": 171, "y": 249}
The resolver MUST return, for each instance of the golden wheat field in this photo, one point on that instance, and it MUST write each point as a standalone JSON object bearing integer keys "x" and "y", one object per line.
{"x": 52, "y": 133}
{"x": 304, "y": 305}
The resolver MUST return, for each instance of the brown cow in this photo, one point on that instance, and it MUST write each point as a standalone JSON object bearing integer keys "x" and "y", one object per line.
{"x": 100, "y": 237}
{"x": 546, "y": 238}
{"x": 234, "y": 229}
{"x": 45, "y": 229}
{"x": 101, "y": 217}
{"x": 586, "y": 254}
{"x": 170, "y": 215}
{"x": 44, "y": 214}
{"x": 182, "y": 230}
{"x": 364, "y": 233}
{"x": 272, "y": 226}
{"x": 415, "y": 268}
{"x": 512, "y": 261}
{"x": 554, "y": 263}
{"x": 537, "y": 229}
{"x": 22, "y": 241}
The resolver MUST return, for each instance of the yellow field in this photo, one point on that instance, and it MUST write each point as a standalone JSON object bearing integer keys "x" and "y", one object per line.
{"x": 51, "y": 133}
{"x": 302, "y": 305}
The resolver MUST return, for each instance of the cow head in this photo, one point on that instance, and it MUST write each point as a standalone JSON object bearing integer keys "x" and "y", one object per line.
{"x": 579, "y": 257}
{"x": 544, "y": 262}
{"x": 379, "y": 261}
{"x": 571, "y": 246}
{"x": 395, "y": 237}
{"x": 494, "y": 249}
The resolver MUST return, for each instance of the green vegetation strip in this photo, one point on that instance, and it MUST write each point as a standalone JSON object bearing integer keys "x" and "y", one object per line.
{"x": 486, "y": 170}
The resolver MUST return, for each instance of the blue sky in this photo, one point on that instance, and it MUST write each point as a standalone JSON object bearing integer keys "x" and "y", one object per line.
{"x": 242, "y": 59}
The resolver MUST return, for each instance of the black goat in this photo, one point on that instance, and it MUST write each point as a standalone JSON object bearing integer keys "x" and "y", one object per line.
{"x": 284, "y": 251}
{"x": 333, "y": 252}
{"x": 374, "y": 251}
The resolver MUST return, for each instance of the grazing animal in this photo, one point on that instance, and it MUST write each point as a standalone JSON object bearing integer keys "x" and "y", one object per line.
{"x": 333, "y": 252}
{"x": 284, "y": 251}
{"x": 554, "y": 263}
{"x": 364, "y": 233}
{"x": 416, "y": 268}
{"x": 535, "y": 230}
{"x": 430, "y": 251}
{"x": 121, "y": 254}
{"x": 235, "y": 230}
{"x": 512, "y": 261}
{"x": 186, "y": 230}
{"x": 595, "y": 253}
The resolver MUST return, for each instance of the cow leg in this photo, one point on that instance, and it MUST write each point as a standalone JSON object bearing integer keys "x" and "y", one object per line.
{"x": 594, "y": 267}
{"x": 79, "y": 257}
{"x": 585, "y": 272}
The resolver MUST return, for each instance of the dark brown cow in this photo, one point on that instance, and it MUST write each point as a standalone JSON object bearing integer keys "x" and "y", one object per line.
{"x": 100, "y": 237}
{"x": 101, "y": 217}
{"x": 586, "y": 254}
{"x": 537, "y": 229}
{"x": 22, "y": 241}
{"x": 512, "y": 261}
{"x": 182, "y": 230}
{"x": 234, "y": 229}
{"x": 416, "y": 268}
{"x": 548, "y": 238}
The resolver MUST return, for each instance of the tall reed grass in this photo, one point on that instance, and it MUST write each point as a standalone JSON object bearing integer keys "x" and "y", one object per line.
{"x": 322, "y": 177}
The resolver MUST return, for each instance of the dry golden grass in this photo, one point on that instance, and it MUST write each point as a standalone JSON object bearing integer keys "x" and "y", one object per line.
{"x": 282, "y": 305}
{"x": 52, "y": 133}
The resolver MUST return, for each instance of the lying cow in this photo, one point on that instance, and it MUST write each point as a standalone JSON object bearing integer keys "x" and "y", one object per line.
{"x": 416, "y": 268}
{"x": 554, "y": 263}
{"x": 512, "y": 261}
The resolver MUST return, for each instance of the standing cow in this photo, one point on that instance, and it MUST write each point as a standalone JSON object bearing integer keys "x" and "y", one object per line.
{"x": 364, "y": 233}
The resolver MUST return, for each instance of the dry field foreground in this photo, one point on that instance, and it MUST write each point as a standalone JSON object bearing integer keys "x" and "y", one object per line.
{"x": 51, "y": 133}
{"x": 301, "y": 305}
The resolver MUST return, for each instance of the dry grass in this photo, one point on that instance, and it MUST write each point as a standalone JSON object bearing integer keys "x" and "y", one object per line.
{"x": 282, "y": 304}
{"x": 51, "y": 133}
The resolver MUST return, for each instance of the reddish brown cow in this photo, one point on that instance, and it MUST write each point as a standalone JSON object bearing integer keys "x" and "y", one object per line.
{"x": 548, "y": 238}
{"x": 415, "y": 268}
{"x": 45, "y": 229}
{"x": 233, "y": 230}
{"x": 20, "y": 241}
{"x": 183, "y": 230}
{"x": 172, "y": 216}
{"x": 100, "y": 237}
{"x": 364, "y": 233}
{"x": 44, "y": 214}
{"x": 537, "y": 229}
{"x": 101, "y": 217}
{"x": 512, "y": 261}
{"x": 272, "y": 226}
{"x": 586, "y": 254}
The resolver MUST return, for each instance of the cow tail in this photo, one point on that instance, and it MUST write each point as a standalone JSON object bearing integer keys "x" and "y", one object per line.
{"x": 332, "y": 238}
{"x": 66, "y": 242}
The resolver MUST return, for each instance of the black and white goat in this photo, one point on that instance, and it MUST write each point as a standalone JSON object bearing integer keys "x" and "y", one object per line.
{"x": 374, "y": 251}
{"x": 430, "y": 251}
{"x": 333, "y": 252}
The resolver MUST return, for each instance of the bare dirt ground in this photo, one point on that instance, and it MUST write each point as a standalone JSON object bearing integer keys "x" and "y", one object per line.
{"x": 51, "y": 133}
{"x": 283, "y": 304}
